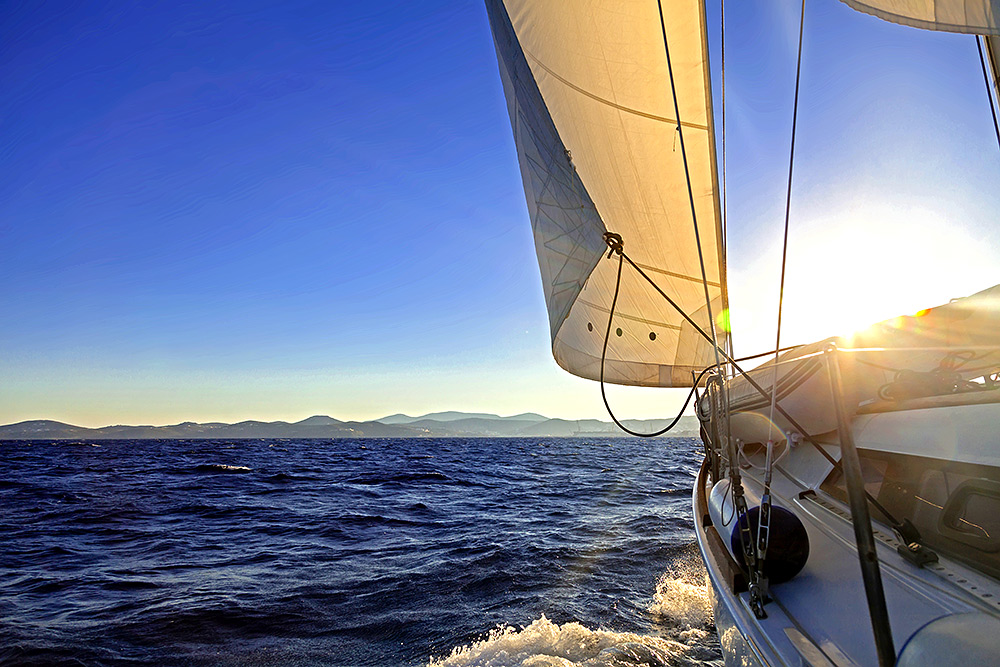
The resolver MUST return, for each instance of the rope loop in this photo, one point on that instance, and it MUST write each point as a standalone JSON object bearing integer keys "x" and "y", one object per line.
{"x": 615, "y": 243}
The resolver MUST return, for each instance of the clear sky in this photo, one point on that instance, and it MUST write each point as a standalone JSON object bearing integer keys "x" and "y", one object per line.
{"x": 268, "y": 210}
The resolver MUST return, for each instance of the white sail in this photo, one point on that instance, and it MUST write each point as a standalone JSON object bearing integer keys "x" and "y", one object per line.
{"x": 981, "y": 17}
{"x": 592, "y": 110}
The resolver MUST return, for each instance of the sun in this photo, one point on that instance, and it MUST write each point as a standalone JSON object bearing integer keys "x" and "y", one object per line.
{"x": 847, "y": 272}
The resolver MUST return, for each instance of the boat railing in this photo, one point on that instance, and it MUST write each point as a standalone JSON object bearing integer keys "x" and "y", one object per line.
{"x": 866, "y": 386}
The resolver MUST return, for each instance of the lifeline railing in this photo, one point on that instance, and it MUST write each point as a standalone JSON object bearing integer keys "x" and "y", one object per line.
{"x": 850, "y": 465}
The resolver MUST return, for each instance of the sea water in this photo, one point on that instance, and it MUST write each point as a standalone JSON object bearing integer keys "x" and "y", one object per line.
{"x": 501, "y": 552}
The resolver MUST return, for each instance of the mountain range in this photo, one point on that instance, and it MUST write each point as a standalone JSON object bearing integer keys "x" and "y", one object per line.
{"x": 434, "y": 425}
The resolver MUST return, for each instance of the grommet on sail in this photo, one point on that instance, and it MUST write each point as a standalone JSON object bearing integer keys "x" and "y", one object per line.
{"x": 592, "y": 110}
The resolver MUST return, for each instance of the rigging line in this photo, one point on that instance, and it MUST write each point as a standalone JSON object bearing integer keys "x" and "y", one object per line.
{"x": 788, "y": 207}
{"x": 694, "y": 219}
{"x": 725, "y": 185}
{"x": 610, "y": 103}
{"x": 617, "y": 247}
{"x": 687, "y": 178}
{"x": 604, "y": 353}
{"x": 764, "y": 516}
{"x": 980, "y": 45}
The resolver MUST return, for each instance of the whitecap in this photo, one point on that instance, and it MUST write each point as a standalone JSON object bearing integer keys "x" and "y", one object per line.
{"x": 547, "y": 644}
{"x": 221, "y": 467}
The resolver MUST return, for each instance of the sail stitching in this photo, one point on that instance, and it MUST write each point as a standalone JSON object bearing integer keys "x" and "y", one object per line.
{"x": 548, "y": 179}
{"x": 682, "y": 276}
{"x": 602, "y": 100}
{"x": 923, "y": 24}
{"x": 626, "y": 144}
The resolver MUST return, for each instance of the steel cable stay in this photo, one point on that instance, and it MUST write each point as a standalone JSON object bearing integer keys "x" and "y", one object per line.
{"x": 764, "y": 511}
{"x": 740, "y": 501}
{"x": 757, "y": 583}
{"x": 690, "y": 191}
{"x": 722, "y": 140}
{"x": 616, "y": 245}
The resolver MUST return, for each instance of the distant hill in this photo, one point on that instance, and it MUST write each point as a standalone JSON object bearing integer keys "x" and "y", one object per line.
{"x": 455, "y": 416}
{"x": 435, "y": 425}
{"x": 318, "y": 420}
{"x": 397, "y": 419}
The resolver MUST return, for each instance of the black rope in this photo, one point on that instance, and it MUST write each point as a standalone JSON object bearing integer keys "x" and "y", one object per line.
{"x": 980, "y": 45}
{"x": 616, "y": 245}
{"x": 604, "y": 353}
{"x": 768, "y": 353}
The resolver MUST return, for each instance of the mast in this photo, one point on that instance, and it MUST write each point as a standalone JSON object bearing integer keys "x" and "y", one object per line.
{"x": 992, "y": 44}
{"x": 987, "y": 48}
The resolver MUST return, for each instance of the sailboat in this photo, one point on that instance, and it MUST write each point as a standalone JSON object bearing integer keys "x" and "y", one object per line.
{"x": 848, "y": 506}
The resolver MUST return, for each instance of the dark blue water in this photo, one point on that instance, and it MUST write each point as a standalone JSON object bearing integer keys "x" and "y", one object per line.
{"x": 351, "y": 552}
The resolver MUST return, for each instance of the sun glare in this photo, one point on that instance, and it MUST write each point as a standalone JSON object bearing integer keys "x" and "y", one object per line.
{"x": 845, "y": 274}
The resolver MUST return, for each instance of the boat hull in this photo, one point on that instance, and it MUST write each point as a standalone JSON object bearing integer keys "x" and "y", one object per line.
{"x": 737, "y": 650}
{"x": 740, "y": 639}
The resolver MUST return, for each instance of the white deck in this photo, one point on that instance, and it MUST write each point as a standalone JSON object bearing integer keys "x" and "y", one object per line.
{"x": 820, "y": 617}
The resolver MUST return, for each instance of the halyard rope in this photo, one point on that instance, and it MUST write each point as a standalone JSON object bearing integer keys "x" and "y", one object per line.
{"x": 690, "y": 191}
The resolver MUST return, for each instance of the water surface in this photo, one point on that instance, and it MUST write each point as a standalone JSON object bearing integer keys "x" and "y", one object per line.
{"x": 351, "y": 552}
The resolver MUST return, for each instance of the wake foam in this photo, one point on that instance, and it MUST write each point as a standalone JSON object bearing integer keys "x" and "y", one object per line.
{"x": 682, "y": 596}
{"x": 547, "y": 644}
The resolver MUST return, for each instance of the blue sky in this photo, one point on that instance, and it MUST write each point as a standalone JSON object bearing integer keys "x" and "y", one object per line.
{"x": 273, "y": 210}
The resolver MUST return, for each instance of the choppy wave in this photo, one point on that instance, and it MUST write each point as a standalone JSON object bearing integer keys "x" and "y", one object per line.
{"x": 376, "y": 552}
{"x": 547, "y": 644}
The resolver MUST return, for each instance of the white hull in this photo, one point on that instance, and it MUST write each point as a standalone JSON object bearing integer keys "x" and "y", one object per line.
{"x": 740, "y": 639}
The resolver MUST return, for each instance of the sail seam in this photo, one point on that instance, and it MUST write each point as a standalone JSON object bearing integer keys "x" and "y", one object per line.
{"x": 678, "y": 275}
{"x": 615, "y": 105}
{"x": 604, "y": 309}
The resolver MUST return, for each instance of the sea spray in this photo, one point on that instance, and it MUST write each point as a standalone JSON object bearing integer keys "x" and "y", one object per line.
{"x": 547, "y": 644}
{"x": 683, "y": 595}
{"x": 681, "y": 607}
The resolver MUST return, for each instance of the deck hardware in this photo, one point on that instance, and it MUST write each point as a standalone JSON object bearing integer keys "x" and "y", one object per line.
{"x": 917, "y": 554}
